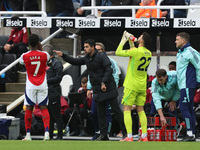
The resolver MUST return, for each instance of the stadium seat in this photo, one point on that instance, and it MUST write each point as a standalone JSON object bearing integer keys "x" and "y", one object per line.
{"x": 8, "y": 58}
{"x": 0, "y": 58}
{"x": 11, "y": 74}
{"x": 193, "y": 13}
{"x": 3, "y": 40}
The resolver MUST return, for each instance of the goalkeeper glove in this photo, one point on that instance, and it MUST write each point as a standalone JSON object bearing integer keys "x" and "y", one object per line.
{"x": 124, "y": 38}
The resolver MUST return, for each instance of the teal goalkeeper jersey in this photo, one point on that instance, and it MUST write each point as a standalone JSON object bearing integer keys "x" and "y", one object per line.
{"x": 139, "y": 60}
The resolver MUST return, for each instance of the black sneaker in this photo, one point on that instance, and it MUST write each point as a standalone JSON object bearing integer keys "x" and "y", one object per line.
{"x": 102, "y": 138}
{"x": 95, "y": 136}
{"x": 188, "y": 138}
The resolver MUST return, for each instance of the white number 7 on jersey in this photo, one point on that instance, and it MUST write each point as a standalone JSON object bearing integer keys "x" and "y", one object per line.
{"x": 37, "y": 67}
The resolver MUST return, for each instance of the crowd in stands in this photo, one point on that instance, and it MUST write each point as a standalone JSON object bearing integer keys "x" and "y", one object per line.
{"x": 68, "y": 8}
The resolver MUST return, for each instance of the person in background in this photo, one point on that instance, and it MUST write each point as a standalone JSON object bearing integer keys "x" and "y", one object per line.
{"x": 149, "y": 13}
{"x": 165, "y": 88}
{"x": 84, "y": 108}
{"x": 188, "y": 78}
{"x": 78, "y": 122}
{"x": 54, "y": 77}
{"x": 178, "y": 13}
{"x": 18, "y": 40}
{"x": 172, "y": 66}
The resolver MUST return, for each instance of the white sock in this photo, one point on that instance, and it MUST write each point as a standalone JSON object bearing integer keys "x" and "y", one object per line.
{"x": 144, "y": 135}
{"x": 189, "y": 133}
{"x": 28, "y": 134}
{"x": 130, "y": 135}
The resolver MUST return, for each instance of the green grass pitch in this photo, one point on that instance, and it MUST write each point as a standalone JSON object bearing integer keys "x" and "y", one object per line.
{"x": 95, "y": 145}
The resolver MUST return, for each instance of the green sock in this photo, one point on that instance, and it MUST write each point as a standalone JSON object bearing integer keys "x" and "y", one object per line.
{"x": 143, "y": 121}
{"x": 128, "y": 121}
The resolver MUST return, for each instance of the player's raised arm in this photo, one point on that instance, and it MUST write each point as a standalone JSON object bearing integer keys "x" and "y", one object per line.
{"x": 125, "y": 53}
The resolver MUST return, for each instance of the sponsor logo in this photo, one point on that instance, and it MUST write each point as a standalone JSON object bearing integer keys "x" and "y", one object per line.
{"x": 187, "y": 23}
{"x": 112, "y": 23}
{"x": 14, "y": 23}
{"x": 64, "y": 23}
{"x": 160, "y": 23}
{"x": 38, "y": 23}
{"x": 86, "y": 23}
{"x": 139, "y": 23}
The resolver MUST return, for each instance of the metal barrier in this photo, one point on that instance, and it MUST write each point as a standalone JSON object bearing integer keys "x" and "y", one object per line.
{"x": 133, "y": 8}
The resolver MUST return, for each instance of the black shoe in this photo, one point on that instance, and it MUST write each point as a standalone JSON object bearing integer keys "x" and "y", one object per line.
{"x": 189, "y": 139}
{"x": 102, "y": 138}
{"x": 95, "y": 136}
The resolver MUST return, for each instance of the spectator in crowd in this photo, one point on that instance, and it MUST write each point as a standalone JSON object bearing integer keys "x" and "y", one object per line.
{"x": 172, "y": 66}
{"x": 18, "y": 40}
{"x": 36, "y": 91}
{"x": 101, "y": 48}
{"x": 149, "y": 13}
{"x": 165, "y": 88}
{"x": 178, "y": 13}
{"x": 135, "y": 83}
{"x": 54, "y": 77}
{"x": 78, "y": 1}
{"x": 80, "y": 127}
{"x": 31, "y": 6}
{"x": 120, "y": 12}
{"x": 188, "y": 77}
{"x": 62, "y": 8}
{"x": 103, "y": 84}
{"x": 82, "y": 13}
{"x": 87, "y": 105}
{"x": 10, "y": 5}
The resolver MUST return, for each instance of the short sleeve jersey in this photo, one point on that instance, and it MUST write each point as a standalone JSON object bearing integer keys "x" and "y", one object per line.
{"x": 35, "y": 62}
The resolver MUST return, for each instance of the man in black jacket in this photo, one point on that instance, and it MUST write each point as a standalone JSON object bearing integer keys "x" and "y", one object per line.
{"x": 103, "y": 84}
{"x": 54, "y": 76}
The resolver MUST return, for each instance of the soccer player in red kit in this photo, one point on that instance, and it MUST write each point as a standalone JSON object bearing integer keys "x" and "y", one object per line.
{"x": 36, "y": 91}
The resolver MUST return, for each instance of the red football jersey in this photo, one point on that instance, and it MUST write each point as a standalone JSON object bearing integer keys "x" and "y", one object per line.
{"x": 35, "y": 62}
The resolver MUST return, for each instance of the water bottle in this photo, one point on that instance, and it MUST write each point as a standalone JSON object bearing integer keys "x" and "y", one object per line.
{"x": 132, "y": 38}
{"x": 67, "y": 131}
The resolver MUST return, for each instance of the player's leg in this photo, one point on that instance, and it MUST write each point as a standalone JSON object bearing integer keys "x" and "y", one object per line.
{"x": 54, "y": 108}
{"x": 191, "y": 110}
{"x": 184, "y": 108}
{"x": 101, "y": 109}
{"x": 42, "y": 100}
{"x": 127, "y": 101}
{"x": 29, "y": 102}
{"x": 140, "y": 101}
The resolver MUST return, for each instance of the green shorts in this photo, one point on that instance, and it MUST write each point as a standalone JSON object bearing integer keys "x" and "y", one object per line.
{"x": 131, "y": 97}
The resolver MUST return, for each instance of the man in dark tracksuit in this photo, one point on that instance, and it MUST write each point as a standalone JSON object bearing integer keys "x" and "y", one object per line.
{"x": 54, "y": 76}
{"x": 104, "y": 86}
